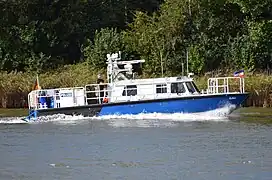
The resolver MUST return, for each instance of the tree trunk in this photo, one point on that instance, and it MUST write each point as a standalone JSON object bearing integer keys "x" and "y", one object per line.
{"x": 3, "y": 101}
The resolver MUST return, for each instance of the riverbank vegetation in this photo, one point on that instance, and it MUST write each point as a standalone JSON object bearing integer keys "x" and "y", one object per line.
{"x": 66, "y": 42}
{"x": 15, "y": 86}
{"x": 4, "y": 112}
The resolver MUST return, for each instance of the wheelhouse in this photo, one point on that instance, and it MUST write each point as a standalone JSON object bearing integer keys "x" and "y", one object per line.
{"x": 145, "y": 89}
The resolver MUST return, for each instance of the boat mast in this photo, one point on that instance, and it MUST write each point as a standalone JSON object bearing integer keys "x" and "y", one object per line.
{"x": 114, "y": 72}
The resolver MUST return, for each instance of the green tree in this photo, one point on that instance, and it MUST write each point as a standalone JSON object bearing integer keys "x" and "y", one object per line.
{"x": 105, "y": 41}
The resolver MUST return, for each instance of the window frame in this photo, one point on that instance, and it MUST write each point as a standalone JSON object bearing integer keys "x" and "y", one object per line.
{"x": 161, "y": 88}
{"x": 174, "y": 88}
{"x": 130, "y": 90}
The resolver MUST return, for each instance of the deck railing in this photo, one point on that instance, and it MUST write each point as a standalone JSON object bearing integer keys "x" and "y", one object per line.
{"x": 223, "y": 85}
{"x": 97, "y": 93}
{"x": 35, "y": 96}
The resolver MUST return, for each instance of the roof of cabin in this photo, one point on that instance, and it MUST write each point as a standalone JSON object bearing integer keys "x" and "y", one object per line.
{"x": 154, "y": 80}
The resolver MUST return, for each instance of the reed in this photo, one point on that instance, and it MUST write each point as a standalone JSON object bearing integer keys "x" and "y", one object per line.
{"x": 4, "y": 112}
{"x": 259, "y": 85}
{"x": 15, "y": 86}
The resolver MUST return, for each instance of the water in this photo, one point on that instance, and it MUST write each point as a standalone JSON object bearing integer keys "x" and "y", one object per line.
{"x": 155, "y": 146}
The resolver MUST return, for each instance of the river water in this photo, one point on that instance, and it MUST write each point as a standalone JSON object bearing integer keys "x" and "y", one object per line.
{"x": 152, "y": 146}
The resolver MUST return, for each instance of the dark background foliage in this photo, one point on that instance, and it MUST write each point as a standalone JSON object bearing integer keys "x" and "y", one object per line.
{"x": 40, "y": 35}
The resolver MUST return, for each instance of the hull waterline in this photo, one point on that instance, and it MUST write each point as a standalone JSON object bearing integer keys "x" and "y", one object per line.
{"x": 193, "y": 104}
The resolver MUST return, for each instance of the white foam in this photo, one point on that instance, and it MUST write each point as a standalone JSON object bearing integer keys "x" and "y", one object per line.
{"x": 218, "y": 114}
{"x": 62, "y": 119}
{"x": 58, "y": 118}
{"x": 163, "y": 119}
{"x": 12, "y": 120}
{"x": 153, "y": 119}
{"x": 139, "y": 120}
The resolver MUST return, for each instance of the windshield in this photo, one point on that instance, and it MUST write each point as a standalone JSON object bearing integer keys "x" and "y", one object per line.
{"x": 191, "y": 87}
{"x": 195, "y": 87}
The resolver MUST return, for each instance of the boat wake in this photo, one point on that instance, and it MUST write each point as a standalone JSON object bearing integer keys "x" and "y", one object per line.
{"x": 12, "y": 120}
{"x": 140, "y": 120}
{"x": 163, "y": 119}
{"x": 60, "y": 118}
{"x": 156, "y": 119}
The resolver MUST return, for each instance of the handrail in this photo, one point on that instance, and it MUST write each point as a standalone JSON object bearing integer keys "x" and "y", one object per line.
{"x": 214, "y": 84}
{"x": 33, "y": 96}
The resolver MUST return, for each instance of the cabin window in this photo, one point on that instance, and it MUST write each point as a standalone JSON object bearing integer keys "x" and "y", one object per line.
{"x": 66, "y": 95}
{"x": 130, "y": 90}
{"x": 42, "y": 93}
{"x": 177, "y": 88}
{"x": 161, "y": 88}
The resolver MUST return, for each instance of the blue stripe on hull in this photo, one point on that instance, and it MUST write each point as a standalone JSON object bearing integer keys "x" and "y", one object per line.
{"x": 191, "y": 105}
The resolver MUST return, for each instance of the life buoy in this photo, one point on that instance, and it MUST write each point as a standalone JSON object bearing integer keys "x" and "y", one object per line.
{"x": 105, "y": 100}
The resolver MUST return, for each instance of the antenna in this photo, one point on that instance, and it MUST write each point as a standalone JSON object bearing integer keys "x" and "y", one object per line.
{"x": 187, "y": 60}
{"x": 182, "y": 68}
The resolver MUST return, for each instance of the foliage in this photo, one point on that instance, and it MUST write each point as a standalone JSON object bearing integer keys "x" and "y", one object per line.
{"x": 41, "y": 35}
{"x": 38, "y": 36}
{"x": 105, "y": 41}
{"x": 217, "y": 34}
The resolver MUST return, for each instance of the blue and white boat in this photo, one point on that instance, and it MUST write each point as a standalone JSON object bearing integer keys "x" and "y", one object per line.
{"x": 123, "y": 94}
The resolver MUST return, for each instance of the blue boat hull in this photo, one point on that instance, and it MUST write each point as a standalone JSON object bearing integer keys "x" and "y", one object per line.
{"x": 193, "y": 104}
{"x": 178, "y": 105}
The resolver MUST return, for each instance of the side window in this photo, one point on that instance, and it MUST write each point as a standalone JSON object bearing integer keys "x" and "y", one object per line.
{"x": 174, "y": 87}
{"x": 161, "y": 88}
{"x": 130, "y": 90}
{"x": 177, "y": 88}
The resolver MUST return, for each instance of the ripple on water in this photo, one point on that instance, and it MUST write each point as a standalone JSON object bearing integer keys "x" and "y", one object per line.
{"x": 190, "y": 147}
